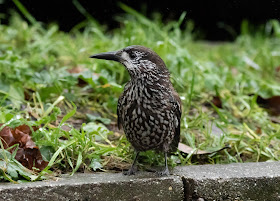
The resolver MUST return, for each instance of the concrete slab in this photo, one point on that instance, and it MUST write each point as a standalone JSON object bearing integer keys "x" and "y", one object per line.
{"x": 240, "y": 181}
{"x": 97, "y": 186}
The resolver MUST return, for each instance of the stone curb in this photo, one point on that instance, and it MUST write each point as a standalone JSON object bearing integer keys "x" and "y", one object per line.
{"x": 97, "y": 186}
{"x": 247, "y": 181}
{"x": 238, "y": 181}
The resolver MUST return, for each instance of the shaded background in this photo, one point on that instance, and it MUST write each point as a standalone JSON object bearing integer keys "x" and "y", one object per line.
{"x": 216, "y": 19}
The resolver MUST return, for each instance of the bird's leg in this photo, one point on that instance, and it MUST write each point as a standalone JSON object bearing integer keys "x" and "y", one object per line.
{"x": 132, "y": 169}
{"x": 165, "y": 172}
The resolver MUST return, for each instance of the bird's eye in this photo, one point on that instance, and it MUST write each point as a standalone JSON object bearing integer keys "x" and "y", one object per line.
{"x": 133, "y": 55}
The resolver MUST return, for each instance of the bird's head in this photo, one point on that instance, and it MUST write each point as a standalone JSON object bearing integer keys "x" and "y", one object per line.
{"x": 139, "y": 61}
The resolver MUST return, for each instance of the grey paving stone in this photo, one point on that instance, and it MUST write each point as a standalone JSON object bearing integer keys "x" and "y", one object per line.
{"x": 239, "y": 181}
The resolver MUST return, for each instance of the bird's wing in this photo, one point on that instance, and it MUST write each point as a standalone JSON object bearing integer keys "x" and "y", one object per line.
{"x": 177, "y": 109}
{"x": 120, "y": 121}
{"x": 121, "y": 103}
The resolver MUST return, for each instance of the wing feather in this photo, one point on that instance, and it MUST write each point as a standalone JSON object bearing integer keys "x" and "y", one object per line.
{"x": 119, "y": 112}
{"x": 177, "y": 110}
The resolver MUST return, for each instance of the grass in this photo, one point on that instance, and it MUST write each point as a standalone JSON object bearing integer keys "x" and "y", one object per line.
{"x": 38, "y": 88}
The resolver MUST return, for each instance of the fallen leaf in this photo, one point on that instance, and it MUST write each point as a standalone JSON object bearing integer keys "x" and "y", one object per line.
{"x": 272, "y": 104}
{"x": 217, "y": 101}
{"x": 188, "y": 150}
{"x": 77, "y": 69}
{"x": 28, "y": 154}
{"x": 259, "y": 130}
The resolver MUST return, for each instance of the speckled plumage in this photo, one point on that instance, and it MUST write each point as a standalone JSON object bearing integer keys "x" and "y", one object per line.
{"x": 149, "y": 109}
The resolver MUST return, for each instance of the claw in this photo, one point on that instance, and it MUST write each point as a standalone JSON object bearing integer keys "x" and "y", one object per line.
{"x": 165, "y": 172}
{"x": 131, "y": 171}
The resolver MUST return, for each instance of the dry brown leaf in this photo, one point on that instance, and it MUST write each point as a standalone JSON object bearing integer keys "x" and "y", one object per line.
{"x": 217, "y": 101}
{"x": 258, "y": 130}
{"x": 272, "y": 104}
{"x": 187, "y": 149}
{"x": 28, "y": 153}
{"x": 77, "y": 69}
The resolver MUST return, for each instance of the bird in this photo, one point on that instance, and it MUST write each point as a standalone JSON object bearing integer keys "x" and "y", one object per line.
{"x": 149, "y": 109}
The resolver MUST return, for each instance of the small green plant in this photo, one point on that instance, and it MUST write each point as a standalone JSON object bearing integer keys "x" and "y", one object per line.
{"x": 12, "y": 170}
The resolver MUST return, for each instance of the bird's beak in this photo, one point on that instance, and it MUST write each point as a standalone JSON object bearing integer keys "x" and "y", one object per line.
{"x": 107, "y": 55}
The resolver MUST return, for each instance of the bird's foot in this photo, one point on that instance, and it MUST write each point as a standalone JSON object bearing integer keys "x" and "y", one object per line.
{"x": 131, "y": 171}
{"x": 165, "y": 172}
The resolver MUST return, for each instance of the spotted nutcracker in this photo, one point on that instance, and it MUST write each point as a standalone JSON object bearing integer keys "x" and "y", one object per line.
{"x": 149, "y": 109}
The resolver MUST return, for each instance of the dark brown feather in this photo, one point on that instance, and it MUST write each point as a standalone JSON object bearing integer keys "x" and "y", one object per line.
{"x": 178, "y": 113}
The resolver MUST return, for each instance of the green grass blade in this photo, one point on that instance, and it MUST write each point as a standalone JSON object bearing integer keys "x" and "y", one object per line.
{"x": 25, "y": 12}
{"x": 78, "y": 164}
{"x": 68, "y": 115}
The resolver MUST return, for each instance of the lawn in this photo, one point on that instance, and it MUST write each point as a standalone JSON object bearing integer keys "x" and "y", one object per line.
{"x": 68, "y": 101}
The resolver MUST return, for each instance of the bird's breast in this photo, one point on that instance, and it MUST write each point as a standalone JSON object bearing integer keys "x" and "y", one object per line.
{"x": 147, "y": 118}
